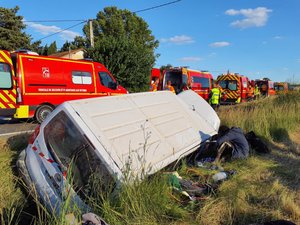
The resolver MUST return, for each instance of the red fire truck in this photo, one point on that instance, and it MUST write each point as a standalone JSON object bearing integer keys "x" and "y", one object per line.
{"x": 236, "y": 88}
{"x": 281, "y": 87}
{"x": 184, "y": 78}
{"x": 265, "y": 86}
{"x": 33, "y": 85}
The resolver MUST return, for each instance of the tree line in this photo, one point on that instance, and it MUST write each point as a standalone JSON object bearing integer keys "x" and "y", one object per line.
{"x": 123, "y": 43}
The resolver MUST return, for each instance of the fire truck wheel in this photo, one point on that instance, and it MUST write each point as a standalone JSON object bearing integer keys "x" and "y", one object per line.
{"x": 42, "y": 112}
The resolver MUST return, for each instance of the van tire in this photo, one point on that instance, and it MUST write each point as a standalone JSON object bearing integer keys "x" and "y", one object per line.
{"x": 42, "y": 112}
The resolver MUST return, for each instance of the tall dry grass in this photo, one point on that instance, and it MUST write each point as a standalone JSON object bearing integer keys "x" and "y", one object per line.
{"x": 266, "y": 187}
{"x": 260, "y": 191}
{"x": 271, "y": 117}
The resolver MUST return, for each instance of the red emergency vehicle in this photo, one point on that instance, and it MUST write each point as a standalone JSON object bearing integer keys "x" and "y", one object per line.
{"x": 265, "y": 86}
{"x": 281, "y": 87}
{"x": 183, "y": 78}
{"x": 33, "y": 85}
{"x": 236, "y": 88}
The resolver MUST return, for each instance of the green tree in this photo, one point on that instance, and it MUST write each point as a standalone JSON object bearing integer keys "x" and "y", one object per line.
{"x": 45, "y": 50}
{"x": 79, "y": 42}
{"x": 12, "y": 36}
{"x": 36, "y": 47}
{"x": 125, "y": 45}
{"x": 52, "y": 48}
{"x": 168, "y": 66}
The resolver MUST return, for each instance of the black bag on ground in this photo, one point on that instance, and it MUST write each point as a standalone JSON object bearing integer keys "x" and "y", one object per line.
{"x": 256, "y": 143}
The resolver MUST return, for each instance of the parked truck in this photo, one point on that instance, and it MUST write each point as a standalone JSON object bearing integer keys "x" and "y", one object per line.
{"x": 112, "y": 139}
{"x": 265, "y": 86}
{"x": 281, "y": 87}
{"x": 33, "y": 85}
{"x": 236, "y": 88}
{"x": 183, "y": 78}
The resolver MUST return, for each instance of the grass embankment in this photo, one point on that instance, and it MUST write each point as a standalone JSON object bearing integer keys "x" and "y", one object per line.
{"x": 265, "y": 187}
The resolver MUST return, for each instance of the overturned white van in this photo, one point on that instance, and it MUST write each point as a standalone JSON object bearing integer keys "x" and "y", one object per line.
{"x": 132, "y": 135}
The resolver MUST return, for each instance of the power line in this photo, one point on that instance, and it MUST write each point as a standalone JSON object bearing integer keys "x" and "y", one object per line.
{"x": 61, "y": 31}
{"x": 83, "y": 21}
{"x": 51, "y": 21}
{"x": 158, "y": 6}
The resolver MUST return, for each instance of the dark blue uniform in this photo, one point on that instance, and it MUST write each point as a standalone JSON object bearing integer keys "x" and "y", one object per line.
{"x": 236, "y": 138}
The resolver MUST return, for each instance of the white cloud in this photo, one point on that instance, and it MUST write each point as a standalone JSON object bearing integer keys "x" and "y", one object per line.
{"x": 298, "y": 60}
{"x": 212, "y": 54}
{"x": 257, "y": 17}
{"x": 48, "y": 30}
{"x": 178, "y": 39}
{"x": 190, "y": 59}
{"x": 278, "y": 37}
{"x": 219, "y": 44}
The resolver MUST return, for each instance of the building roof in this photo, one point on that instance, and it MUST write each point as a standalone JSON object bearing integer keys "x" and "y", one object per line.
{"x": 62, "y": 54}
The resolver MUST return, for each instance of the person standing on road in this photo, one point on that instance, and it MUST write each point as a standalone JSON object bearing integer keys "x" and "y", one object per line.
{"x": 215, "y": 96}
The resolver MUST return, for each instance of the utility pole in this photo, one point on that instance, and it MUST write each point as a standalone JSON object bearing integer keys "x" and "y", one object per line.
{"x": 91, "y": 32}
{"x": 293, "y": 78}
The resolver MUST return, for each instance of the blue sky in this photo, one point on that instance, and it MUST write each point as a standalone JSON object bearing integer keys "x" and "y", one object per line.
{"x": 256, "y": 38}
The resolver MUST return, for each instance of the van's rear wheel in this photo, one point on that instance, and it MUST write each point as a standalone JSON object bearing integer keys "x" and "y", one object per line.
{"x": 42, "y": 112}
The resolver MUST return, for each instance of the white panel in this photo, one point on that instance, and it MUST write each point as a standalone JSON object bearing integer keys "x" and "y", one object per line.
{"x": 168, "y": 126}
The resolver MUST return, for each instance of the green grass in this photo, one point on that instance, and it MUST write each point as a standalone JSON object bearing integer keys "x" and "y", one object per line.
{"x": 266, "y": 187}
{"x": 271, "y": 117}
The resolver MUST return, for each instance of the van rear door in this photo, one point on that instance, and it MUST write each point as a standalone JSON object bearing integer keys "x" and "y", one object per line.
{"x": 7, "y": 85}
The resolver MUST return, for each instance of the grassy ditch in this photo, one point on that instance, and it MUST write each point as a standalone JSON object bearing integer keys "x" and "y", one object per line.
{"x": 273, "y": 118}
{"x": 266, "y": 187}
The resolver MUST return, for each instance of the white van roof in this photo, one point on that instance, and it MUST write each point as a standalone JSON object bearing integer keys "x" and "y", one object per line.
{"x": 146, "y": 131}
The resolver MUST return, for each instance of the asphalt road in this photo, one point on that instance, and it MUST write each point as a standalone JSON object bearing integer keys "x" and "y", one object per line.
{"x": 14, "y": 127}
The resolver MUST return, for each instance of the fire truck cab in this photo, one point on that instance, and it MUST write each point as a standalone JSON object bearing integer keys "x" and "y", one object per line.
{"x": 265, "y": 86}
{"x": 183, "y": 78}
{"x": 281, "y": 87}
{"x": 236, "y": 88}
{"x": 33, "y": 85}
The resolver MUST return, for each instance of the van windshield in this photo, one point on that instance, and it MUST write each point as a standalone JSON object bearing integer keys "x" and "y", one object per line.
{"x": 75, "y": 154}
{"x": 201, "y": 80}
{"x": 279, "y": 88}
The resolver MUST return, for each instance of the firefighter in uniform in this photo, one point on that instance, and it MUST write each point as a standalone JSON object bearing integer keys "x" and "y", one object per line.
{"x": 154, "y": 84}
{"x": 256, "y": 92}
{"x": 250, "y": 92}
{"x": 215, "y": 96}
{"x": 170, "y": 87}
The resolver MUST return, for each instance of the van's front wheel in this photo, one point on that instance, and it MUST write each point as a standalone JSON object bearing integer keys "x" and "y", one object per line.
{"x": 42, "y": 112}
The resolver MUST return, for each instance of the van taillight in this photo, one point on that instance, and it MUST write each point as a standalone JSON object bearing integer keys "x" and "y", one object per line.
{"x": 34, "y": 135}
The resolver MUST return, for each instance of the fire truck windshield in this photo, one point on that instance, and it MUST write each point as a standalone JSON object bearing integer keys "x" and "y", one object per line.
{"x": 74, "y": 153}
{"x": 228, "y": 84}
{"x": 201, "y": 80}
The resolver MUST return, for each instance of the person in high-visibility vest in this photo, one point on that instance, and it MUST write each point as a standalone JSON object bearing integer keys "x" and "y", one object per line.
{"x": 256, "y": 92}
{"x": 215, "y": 96}
{"x": 250, "y": 94}
{"x": 154, "y": 85}
{"x": 170, "y": 87}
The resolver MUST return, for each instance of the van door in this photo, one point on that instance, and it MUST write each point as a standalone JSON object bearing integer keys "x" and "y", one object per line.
{"x": 7, "y": 85}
